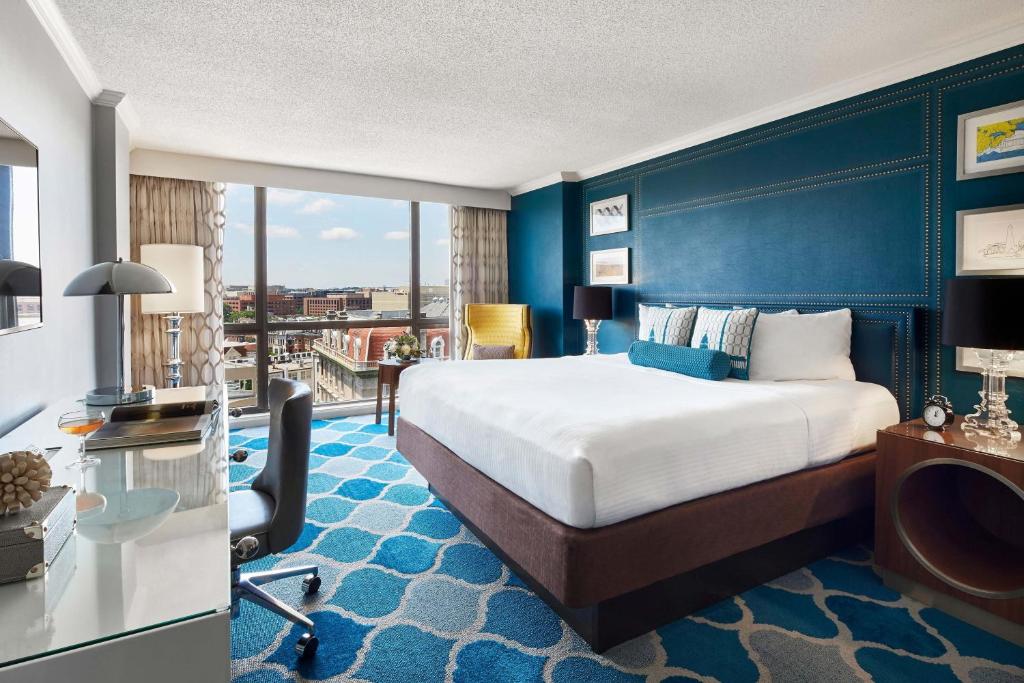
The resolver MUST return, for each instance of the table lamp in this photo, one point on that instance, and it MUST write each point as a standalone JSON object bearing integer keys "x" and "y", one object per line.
{"x": 182, "y": 265}
{"x": 16, "y": 279}
{"x": 983, "y": 313}
{"x": 591, "y": 305}
{"x": 117, "y": 278}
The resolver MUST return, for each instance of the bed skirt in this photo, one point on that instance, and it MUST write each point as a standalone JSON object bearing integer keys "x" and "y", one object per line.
{"x": 663, "y": 564}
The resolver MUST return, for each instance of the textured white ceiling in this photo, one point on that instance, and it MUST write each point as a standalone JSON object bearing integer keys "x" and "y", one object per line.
{"x": 485, "y": 94}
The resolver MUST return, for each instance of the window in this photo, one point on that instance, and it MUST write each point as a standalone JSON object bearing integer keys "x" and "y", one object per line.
{"x": 316, "y": 283}
{"x": 238, "y": 269}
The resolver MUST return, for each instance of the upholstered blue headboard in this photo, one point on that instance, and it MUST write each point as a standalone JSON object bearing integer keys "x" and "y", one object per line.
{"x": 885, "y": 348}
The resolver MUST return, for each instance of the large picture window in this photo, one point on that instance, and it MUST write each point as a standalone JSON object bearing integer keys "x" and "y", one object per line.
{"x": 316, "y": 283}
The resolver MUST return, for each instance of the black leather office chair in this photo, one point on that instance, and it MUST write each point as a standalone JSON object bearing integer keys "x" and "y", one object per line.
{"x": 268, "y": 518}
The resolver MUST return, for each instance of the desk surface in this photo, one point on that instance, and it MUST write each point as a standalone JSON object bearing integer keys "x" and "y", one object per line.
{"x": 136, "y": 565}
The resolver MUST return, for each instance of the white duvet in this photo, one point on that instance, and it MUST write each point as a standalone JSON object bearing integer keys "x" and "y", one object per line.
{"x": 595, "y": 440}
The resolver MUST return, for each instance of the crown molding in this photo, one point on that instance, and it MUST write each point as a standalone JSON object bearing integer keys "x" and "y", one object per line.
{"x": 60, "y": 33}
{"x": 71, "y": 51}
{"x": 970, "y": 48}
{"x": 108, "y": 98}
{"x": 544, "y": 181}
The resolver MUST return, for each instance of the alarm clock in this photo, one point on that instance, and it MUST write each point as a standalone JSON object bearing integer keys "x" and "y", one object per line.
{"x": 938, "y": 412}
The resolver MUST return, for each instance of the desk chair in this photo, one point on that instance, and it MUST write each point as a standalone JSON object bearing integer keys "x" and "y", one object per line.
{"x": 268, "y": 518}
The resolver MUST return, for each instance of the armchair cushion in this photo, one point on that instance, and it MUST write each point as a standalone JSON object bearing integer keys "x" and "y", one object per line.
{"x": 481, "y": 352}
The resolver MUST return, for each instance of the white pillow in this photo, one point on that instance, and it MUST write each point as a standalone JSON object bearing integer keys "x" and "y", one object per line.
{"x": 809, "y": 346}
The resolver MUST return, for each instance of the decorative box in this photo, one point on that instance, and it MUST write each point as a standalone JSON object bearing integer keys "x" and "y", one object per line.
{"x": 31, "y": 539}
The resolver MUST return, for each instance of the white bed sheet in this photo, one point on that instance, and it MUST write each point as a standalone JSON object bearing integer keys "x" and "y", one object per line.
{"x": 596, "y": 440}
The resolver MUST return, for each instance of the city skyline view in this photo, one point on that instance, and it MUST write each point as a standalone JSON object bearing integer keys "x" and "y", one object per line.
{"x": 327, "y": 241}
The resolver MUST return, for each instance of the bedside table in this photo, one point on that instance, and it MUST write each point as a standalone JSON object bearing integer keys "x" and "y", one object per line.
{"x": 949, "y": 524}
{"x": 387, "y": 375}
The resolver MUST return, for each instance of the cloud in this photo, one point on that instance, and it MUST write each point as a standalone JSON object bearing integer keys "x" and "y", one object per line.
{"x": 443, "y": 242}
{"x": 242, "y": 227}
{"x": 318, "y": 206}
{"x": 278, "y": 196}
{"x": 399, "y": 202}
{"x": 282, "y": 231}
{"x": 397, "y": 235}
{"x": 338, "y": 234}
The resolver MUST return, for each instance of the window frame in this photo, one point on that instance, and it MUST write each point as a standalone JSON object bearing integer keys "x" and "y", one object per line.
{"x": 262, "y": 326}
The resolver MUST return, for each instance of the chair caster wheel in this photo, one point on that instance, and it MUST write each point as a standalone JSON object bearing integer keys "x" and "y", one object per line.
{"x": 307, "y": 645}
{"x": 310, "y": 584}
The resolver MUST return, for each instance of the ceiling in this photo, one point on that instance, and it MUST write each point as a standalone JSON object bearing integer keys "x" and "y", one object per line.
{"x": 483, "y": 93}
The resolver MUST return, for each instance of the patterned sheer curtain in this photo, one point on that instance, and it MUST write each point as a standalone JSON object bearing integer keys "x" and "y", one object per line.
{"x": 479, "y": 264}
{"x": 171, "y": 211}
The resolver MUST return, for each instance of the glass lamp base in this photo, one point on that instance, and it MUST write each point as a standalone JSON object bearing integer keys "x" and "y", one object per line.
{"x": 991, "y": 417}
{"x": 591, "y": 326}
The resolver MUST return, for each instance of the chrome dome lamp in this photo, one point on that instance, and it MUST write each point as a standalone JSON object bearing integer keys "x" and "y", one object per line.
{"x": 118, "y": 278}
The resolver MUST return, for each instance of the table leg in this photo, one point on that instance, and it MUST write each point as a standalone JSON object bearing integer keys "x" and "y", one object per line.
{"x": 380, "y": 388}
{"x": 391, "y": 408}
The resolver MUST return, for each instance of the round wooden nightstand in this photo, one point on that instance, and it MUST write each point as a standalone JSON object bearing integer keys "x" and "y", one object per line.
{"x": 949, "y": 523}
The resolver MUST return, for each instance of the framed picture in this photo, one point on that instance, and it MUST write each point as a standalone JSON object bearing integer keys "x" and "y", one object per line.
{"x": 990, "y": 241}
{"x": 990, "y": 141}
{"x": 609, "y": 215}
{"x": 609, "y": 267}
{"x": 967, "y": 361}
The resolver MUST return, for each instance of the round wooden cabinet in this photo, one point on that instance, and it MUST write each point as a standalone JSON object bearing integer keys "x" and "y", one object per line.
{"x": 965, "y": 524}
{"x": 949, "y": 523}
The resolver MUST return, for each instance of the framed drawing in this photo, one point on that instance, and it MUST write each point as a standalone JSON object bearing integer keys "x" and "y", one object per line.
{"x": 990, "y": 141}
{"x": 990, "y": 241}
{"x": 609, "y": 267}
{"x": 609, "y": 215}
{"x": 967, "y": 361}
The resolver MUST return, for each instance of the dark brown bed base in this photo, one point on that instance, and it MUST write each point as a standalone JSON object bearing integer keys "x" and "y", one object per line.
{"x": 613, "y": 583}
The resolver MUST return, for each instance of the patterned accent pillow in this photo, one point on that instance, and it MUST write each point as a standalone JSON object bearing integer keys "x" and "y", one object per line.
{"x": 728, "y": 330}
{"x": 481, "y": 352}
{"x": 666, "y": 325}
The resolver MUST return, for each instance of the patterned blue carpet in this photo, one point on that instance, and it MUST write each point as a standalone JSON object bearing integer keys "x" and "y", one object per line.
{"x": 410, "y": 595}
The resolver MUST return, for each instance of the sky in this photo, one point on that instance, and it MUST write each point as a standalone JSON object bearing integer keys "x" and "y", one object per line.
{"x": 325, "y": 240}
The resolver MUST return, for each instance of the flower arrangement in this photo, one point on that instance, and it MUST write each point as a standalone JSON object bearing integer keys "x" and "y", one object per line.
{"x": 404, "y": 346}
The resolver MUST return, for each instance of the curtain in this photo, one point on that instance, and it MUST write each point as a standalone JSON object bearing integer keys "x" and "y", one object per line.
{"x": 479, "y": 265}
{"x": 171, "y": 211}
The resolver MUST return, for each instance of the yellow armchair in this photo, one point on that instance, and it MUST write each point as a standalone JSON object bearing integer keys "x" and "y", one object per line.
{"x": 499, "y": 325}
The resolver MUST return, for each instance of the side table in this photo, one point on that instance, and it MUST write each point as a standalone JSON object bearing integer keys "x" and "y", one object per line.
{"x": 949, "y": 523}
{"x": 387, "y": 374}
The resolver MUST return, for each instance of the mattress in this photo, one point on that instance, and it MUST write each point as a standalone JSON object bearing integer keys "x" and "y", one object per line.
{"x": 595, "y": 440}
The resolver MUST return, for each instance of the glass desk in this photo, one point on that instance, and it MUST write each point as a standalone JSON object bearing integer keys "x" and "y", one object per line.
{"x": 154, "y": 550}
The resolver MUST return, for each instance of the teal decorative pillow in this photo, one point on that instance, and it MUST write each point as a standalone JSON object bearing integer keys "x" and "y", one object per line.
{"x": 728, "y": 330}
{"x": 666, "y": 325}
{"x": 700, "y": 363}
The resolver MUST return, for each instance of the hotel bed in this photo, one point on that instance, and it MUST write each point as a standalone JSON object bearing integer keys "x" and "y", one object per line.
{"x": 594, "y": 440}
{"x": 627, "y": 496}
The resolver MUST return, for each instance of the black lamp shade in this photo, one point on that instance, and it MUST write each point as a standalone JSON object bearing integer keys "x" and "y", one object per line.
{"x": 984, "y": 313}
{"x": 592, "y": 303}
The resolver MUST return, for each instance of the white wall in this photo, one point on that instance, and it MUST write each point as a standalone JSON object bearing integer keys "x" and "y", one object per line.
{"x": 193, "y": 167}
{"x": 41, "y": 99}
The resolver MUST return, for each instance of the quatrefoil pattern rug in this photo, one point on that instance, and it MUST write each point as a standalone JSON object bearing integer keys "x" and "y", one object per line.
{"x": 409, "y": 595}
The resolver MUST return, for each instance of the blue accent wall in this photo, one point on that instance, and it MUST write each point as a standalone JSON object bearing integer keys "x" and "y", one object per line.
{"x": 853, "y": 203}
{"x": 544, "y": 251}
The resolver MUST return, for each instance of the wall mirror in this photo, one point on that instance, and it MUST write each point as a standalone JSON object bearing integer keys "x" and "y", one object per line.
{"x": 20, "y": 278}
